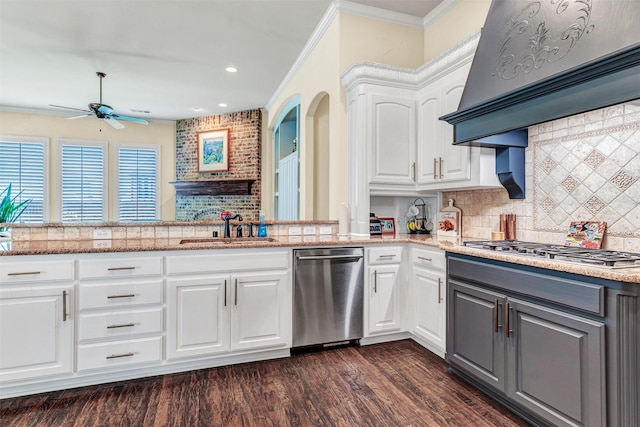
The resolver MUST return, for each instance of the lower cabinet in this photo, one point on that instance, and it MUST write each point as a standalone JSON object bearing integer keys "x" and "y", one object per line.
{"x": 428, "y": 300}
{"x": 36, "y": 331}
{"x": 214, "y": 313}
{"x": 384, "y": 290}
{"x": 547, "y": 361}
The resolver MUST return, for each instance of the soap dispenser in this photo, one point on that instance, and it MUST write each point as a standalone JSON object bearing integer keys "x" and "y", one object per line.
{"x": 262, "y": 227}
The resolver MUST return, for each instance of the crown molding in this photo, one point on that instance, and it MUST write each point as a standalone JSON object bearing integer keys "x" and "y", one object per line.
{"x": 438, "y": 11}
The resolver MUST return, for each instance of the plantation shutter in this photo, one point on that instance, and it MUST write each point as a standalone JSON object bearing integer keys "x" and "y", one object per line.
{"x": 83, "y": 189}
{"x": 22, "y": 165}
{"x": 137, "y": 184}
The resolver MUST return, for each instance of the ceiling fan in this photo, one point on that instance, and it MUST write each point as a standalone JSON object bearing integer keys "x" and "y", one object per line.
{"x": 104, "y": 111}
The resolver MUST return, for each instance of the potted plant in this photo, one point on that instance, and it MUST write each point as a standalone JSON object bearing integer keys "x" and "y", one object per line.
{"x": 10, "y": 209}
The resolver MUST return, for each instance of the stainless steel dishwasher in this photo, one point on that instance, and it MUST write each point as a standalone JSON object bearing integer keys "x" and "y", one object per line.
{"x": 327, "y": 295}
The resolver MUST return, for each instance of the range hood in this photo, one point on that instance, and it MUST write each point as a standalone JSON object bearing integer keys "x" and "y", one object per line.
{"x": 542, "y": 60}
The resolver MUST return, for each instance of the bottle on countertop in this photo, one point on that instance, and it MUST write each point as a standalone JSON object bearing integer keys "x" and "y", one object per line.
{"x": 262, "y": 227}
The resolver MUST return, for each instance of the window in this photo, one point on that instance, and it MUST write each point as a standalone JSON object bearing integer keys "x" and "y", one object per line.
{"x": 23, "y": 165}
{"x": 83, "y": 184}
{"x": 138, "y": 183}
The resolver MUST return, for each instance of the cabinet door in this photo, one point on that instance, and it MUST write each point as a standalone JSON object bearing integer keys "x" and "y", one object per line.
{"x": 36, "y": 332}
{"x": 476, "y": 340}
{"x": 430, "y": 306}
{"x": 429, "y": 130}
{"x": 454, "y": 161}
{"x": 392, "y": 139}
{"x": 197, "y": 316}
{"x": 556, "y": 364}
{"x": 261, "y": 311}
{"x": 384, "y": 314}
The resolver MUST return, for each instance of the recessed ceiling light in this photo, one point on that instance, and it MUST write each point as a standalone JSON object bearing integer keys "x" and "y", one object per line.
{"x": 232, "y": 69}
{"x": 197, "y": 109}
{"x": 222, "y": 104}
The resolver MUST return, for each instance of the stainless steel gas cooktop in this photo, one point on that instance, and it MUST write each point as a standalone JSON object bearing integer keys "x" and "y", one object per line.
{"x": 595, "y": 257}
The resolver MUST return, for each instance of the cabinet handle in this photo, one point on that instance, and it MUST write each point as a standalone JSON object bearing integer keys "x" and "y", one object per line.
{"x": 225, "y": 292}
{"x": 64, "y": 306}
{"x": 425, "y": 259}
{"x": 121, "y": 296}
{"x": 496, "y": 315}
{"x": 120, "y": 268}
{"x": 413, "y": 171}
{"x": 508, "y": 329}
{"x": 381, "y": 257}
{"x": 440, "y": 167}
{"x": 435, "y": 168}
{"x": 439, "y": 290}
{"x": 375, "y": 281}
{"x": 236, "y": 297}
{"x": 23, "y": 273}
{"x": 128, "y": 325}
{"x": 116, "y": 356}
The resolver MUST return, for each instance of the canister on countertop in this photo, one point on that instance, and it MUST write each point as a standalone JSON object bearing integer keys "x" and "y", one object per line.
{"x": 375, "y": 228}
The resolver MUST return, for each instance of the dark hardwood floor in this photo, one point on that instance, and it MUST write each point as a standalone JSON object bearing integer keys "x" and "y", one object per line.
{"x": 391, "y": 384}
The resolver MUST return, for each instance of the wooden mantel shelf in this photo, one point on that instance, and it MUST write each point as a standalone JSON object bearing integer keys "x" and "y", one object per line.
{"x": 226, "y": 187}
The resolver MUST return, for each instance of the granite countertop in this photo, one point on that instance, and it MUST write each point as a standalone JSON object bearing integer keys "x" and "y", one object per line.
{"x": 52, "y": 247}
{"x": 629, "y": 275}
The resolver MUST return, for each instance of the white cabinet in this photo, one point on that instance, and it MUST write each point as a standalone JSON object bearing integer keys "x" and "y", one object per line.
{"x": 197, "y": 316}
{"x": 428, "y": 298}
{"x": 232, "y": 301}
{"x": 396, "y": 143}
{"x": 120, "y": 312}
{"x": 384, "y": 291}
{"x": 36, "y": 318}
{"x": 392, "y": 136}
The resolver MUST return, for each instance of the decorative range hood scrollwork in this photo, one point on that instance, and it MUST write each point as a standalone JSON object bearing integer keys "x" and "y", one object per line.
{"x": 540, "y": 61}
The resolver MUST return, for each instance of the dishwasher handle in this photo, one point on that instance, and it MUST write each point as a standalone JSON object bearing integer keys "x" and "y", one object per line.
{"x": 321, "y": 257}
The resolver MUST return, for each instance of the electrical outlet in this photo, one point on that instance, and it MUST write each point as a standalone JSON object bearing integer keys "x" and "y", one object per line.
{"x": 102, "y": 234}
{"x": 98, "y": 244}
{"x": 309, "y": 229}
{"x": 295, "y": 231}
{"x": 325, "y": 229}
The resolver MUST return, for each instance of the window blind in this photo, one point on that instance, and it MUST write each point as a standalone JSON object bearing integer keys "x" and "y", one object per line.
{"x": 22, "y": 164}
{"x": 83, "y": 188}
{"x": 137, "y": 184}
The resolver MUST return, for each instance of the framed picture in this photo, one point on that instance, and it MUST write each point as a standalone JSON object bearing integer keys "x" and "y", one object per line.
{"x": 388, "y": 225}
{"x": 213, "y": 151}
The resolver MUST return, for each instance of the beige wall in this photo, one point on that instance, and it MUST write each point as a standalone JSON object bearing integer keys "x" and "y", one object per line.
{"x": 349, "y": 39}
{"x": 462, "y": 20}
{"x": 55, "y": 127}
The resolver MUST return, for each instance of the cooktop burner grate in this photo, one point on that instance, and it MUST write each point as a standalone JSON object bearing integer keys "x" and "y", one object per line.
{"x": 597, "y": 257}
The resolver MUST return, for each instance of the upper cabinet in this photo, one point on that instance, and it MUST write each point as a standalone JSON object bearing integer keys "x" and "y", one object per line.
{"x": 397, "y": 144}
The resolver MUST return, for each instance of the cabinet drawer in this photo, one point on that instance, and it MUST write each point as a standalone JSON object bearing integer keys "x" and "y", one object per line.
{"x": 40, "y": 271}
{"x": 428, "y": 258}
{"x": 119, "y": 267}
{"x": 103, "y": 295}
{"x": 119, "y": 353}
{"x": 119, "y": 324}
{"x": 227, "y": 262}
{"x": 385, "y": 255}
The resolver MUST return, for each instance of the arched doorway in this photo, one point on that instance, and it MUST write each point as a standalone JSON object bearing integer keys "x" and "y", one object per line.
{"x": 286, "y": 139}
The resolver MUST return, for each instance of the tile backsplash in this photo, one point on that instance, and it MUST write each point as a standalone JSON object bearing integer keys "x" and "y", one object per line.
{"x": 580, "y": 168}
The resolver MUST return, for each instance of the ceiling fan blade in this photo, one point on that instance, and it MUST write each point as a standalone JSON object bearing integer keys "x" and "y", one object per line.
{"x": 113, "y": 122}
{"x": 79, "y": 117}
{"x": 130, "y": 119}
{"x": 102, "y": 108}
{"x": 69, "y": 108}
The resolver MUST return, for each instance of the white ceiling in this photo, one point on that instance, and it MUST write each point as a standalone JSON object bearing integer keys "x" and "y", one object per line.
{"x": 164, "y": 57}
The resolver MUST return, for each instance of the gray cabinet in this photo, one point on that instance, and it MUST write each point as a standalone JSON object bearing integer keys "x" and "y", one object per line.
{"x": 545, "y": 362}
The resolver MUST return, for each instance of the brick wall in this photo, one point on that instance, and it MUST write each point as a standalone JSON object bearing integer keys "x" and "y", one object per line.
{"x": 245, "y": 129}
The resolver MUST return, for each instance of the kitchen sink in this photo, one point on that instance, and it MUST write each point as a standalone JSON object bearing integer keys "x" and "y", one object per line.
{"x": 226, "y": 241}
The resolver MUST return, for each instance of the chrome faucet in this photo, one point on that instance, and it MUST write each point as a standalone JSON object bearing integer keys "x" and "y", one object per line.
{"x": 227, "y": 226}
